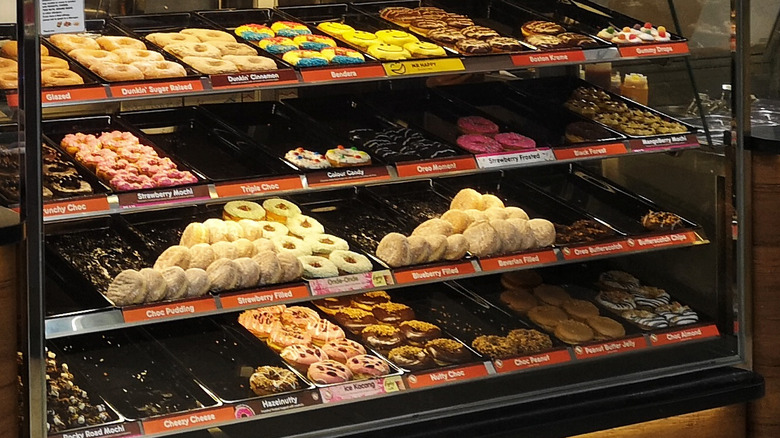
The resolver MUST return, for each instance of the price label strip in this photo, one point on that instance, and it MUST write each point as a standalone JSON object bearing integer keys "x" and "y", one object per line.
{"x": 54, "y": 97}
{"x": 534, "y": 361}
{"x": 685, "y": 335}
{"x": 189, "y": 420}
{"x": 440, "y": 377}
{"x": 126, "y": 429}
{"x": 664, "y": 143}
{"x": 164, "y": 196}
{"x": 156, "y": 88}
{"x": 278, "y": 403}
{"x": 362, "y": 389}
{"x": 347, "y": 176}
{"x": 416, "y": 275}
{"x": 264, "y": 297}
{"x": 422, "y": 67}
{"x": 352, "y": 282}
{"x": 610, "y": 347}
{"x": 508, "y": 159}
{"x": 527, "y": 259}
{"x": 342, "y": 74}
{"x": 257, "y": 187}
{"x": 421, "y": 168}
{"x": 591, "y": 151}
{"x": 563, "y": 57}
{"x": 169, "y": 310}
{"x": 637, "y": 244}
{"x": 256, "y": 79}
{"x": 76, "y": 206}
{"x": 645, "y": 50}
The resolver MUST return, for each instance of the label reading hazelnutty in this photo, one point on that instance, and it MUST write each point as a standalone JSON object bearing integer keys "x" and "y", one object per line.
{"x": 537, "y": 360}
{"x": 278, "y": 403}
{"x": 351, "y": 282}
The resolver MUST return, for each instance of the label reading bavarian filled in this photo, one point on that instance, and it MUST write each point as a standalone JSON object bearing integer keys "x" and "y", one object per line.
{"x": 163, "y": 196}
{"x": 78, "y": 206}
{"x": 689, "y": 334}
{"x": 351, "y": 175}
{"x": 191, "y": 420}
{"x": 421, "y": 380}
{"x": 126, "y": 429}
{"x": 504, "y": 159}
{"x": 641, "y": 50}
{"x": 156, "y": 88}
{"x": 591, "y": 151}
{"x": 342, "y": 74}
{"x": 417, "y": 168}
{"x": 423, "y": 66}
{"x": 664, "y": 143}
{"x": 351, "y": 282}
{"x": 527, "y": 59}
{"x": 275, "y": 77}
{"x": 533, "y": 361}
{"x": 231, "y": 189}
{"x": 265, "y": 297}
{"x": 595, "y": 250}
{"x": 609, "y": 347}
{"x": 683, "y": 238}
{"x": 361, "y": 389}
{"x": 516, "y": 260}
{"x": 415, "y": 275}
{"x": 170, "y": 310}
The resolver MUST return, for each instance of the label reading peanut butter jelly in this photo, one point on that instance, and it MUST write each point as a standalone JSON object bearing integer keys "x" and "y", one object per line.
{"x": 610, "y": 347}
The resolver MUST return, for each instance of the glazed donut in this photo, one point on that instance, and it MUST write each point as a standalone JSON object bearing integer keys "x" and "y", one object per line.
{"x": 114, "y": 71}
{"x": 55, "y": 77}
{"x": 10, "y": 49}
{"x": 68, "y": 42}
{"x": 301, "y": 357}
{"x": 350, "y": 262}
{"x": 289, "y": 29}
{"x": 313, "y": 42}
{"x": 128, "y": 55}
{"x": 325, "y": 331}
{"x": 88, "y": 57}
{"x": 422, "y": 49}
{"x": 251, "y": 63}
{"x": 305, "y": 58}
{"x": 302, "y": 226}
{"x": 410, "y": 357}
{"x": 335, "y": 29}
{"x": 163, "y": 39}
{"x": 388, "y": 52}
{"x": 273, "y": 229}
{"x": 160, "y": 69}
{"x": 365, "y": 366}
{"x": 393, "y": 249}
{"x": 328, "y": 372}
{"x": 48, "y": 62}
{"x": 232, "y": 48}
{"x": 318, "y": 267}
{"x": 280, "y": 210}
{"x": 9, "y": 80}
{"x": 8, "y": 65}
{"x": 268, "y": 380}
{"x": 112, "y": 43}
{"x": 467, "y": 199}
{"x": 360, "y": 39}
{"x": 342, "y": 55}
{"x": 208, "y": 35}
{"x": 181, "y": 50}
{"x": 323, "y": 244}
{"x": 210, "y": 66}
{"x": 292, "y": 245}
{"x": 342, "y": 349}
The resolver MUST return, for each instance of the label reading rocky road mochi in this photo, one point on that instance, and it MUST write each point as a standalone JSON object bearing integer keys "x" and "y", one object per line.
{"x": 123, "y": 430}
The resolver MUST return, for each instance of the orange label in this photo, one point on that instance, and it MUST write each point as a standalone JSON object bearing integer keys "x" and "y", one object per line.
{"x": 690, "y": 334}
{"x": 12, "y": 99}
{"x": 170, "y": 310}
{"x": 600, "y": 150}
{"x": 342, "y": 73}
{"x": 515, "y": 260}
{"x": 684, "y": 238}
{"x": 274, "y": 77}
{"x": 446, "y": 376}
{"x": 432, "y": 167}
{"x": 227, "y": 190}
{"x": 579, "y": 252}
{"x": 263, "y": 297}
{"x": 186, "y": 421}
{"x": 548, "y": 58}
{"x": 347, "y": 176}
{"x": 610, "y": 347}
{"x": 537, "y": 360}
{"x": 156, "y": 88}
{"x": 641, "y": 50}
{"x": 433, "y": 273}
{"x": 72, "y": 95}
{"x": 76, "y": 206}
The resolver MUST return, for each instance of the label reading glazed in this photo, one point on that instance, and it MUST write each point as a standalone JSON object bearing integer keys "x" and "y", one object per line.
{"x": 263, "y": 297}
{"x": 426, "y": 66}
{"x": 172, "y": 310}
{"x": 488, "y": 161}
{"x": 227, "y": 190}
{"x": 433, "y": 273}
{"x": 515, "y": 260}
{"x": 352, "y": 282}
{"x": 432, "y": 167}
{"x": 157, "y": 88}
{"x": 641, "y": 50}
{"x": 51, "y": 98}
{"x": 548, "y": 58}
{"x": 534, "y": 361}
{"x": 342, "y": 74}
{"x": 163, "y": 196}
{"x": 446, "y": 376}
{"x": 610, "y": 347}
{"x": 361, "y": 389}
{"x": 194, "y": 419}
{"x": 689, "y": 334}
{"x": 89, "y": 205}
{"x": 342, "y": 176}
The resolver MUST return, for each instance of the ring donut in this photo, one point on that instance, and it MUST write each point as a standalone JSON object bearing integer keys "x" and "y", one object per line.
{"x": 208, "y": 35}
{"x": 180, "y": 50}
{"x": 289, "y": 29}
{"x": 343, "y": 55}
{"x": 160, "y": 69}
{"x": 48, "y": 62}
{"x": 163, "y": 39}
{"x": 318, "y": 267}
{"x": 112, "y": 43}
{"x": 237, "y": 210}
{"x": 9, "y": 80}
{"x": 395, "y": 37}
{"x": 8, "y": 65}
{"x": 10, "y": 49}
{"x": 335, "y": 29}
{"x": 89, "y": 57}
{"x": 268, "y": 380}
{"x": 280, "y": 210}
{"x": 302, "y": 226}
{"x": 388, "y": 52}
{"x": 128, "y": 55}
{"x": 313, "y": 42}
{"x": 323, "y": 244}
{"x": 114, "y": 71}
{"x": 251, "y": 63}
{"x": 55, "y": 77}
{"x": 273, "y": 229}
{"x": 232, "y": 48}
{"x": 210, "y": 66}
{"x": 305, "y": 58}
{"x": 277, "y": 45}
{"x": 350, "y": 261}
{"x": 292, "y": 245}
{"x": 68, "y": 42}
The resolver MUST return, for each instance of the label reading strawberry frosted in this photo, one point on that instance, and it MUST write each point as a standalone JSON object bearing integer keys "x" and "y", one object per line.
{"x": 507, "y": 159}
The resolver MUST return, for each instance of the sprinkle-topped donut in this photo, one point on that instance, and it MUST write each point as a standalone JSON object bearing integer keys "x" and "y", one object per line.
{"x": 342, "y": 55}
{"x": 277, "y": 45}
{"x": 254, "y": 32}
{"x": 289, "y": 28}
{"x": 306, "y": 159}
{"x": 305, "y": 58}
{"x": 313, "y": 42}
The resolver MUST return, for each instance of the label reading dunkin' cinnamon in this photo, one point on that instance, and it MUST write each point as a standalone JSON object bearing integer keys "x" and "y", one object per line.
{"x": 533, "y": 361}
{"x": 231, "y": 189}
{"x": 439, "y": 377}
{"x": 275, "y": 77}
{"x": 610, "y": 347}
{"x": 163, "y": 196}
{"x": 688, "y": 334}
{"x": 264, "y": 297}
{"x": 508, "y": 159}
{"x": 361, "y": 389}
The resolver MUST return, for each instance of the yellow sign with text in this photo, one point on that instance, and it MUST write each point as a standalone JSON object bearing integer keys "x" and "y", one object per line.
{"x": 423, "y": 66}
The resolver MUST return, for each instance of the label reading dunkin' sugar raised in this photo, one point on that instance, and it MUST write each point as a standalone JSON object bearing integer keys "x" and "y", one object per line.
{"x": 156, "y": 89}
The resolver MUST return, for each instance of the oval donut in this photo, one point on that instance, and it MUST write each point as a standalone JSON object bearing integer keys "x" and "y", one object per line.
{"x": 48, "y": 62}
{"x": 89, "y": 57}
{"x": 112, "y": 43}
{"x": 55, "y": 77}
{"x": 160, "y": 69}
{"x": 128, "y": 55}
{"x": 114, "y": 71}
{"x": 9, "y": 80}
{"x": 68, "y": 42}
{"x": 8, "y": 65}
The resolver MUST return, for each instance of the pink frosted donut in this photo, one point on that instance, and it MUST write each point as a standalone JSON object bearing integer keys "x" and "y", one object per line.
{"x": 477, "y": 125}
{"x": 366, "y": 366}
{"x": 127, "y": 153}
{"x": 258, "y": 323}
{"x": 117, "y": 139}
{"x": 73, "y": 143}
{"x": 479, "y": 144}
{"x": 125, "y": 181}
{"x": 342, "y": 349}
{"x": 300, "y": 316}
{"x": 327, "y": 372}
{"x": 513, "y": 141}
{"x": 302, "y": 356}
{"x": 325, "y": 331}
{"x": 92, "y": 160}
{"x": 107, "y": 171}
{"x": 108, "y": 154}
{"x": 153, "y": 165}
{"x": 173, "y": 177}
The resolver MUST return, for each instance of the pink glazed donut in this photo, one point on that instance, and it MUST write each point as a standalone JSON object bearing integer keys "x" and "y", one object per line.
{"x": 327, "y": 372}
{"x": 477, "y": 125}
{"x": 479, "y": 144}
{"x": 513, "y": 141}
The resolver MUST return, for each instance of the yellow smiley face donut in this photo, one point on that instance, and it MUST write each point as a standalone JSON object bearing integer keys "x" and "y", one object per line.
{"x": 335, "y": 29}
{"x": 395, "y": 37}
{"x": 422, "y": 49}
{"x": 360, "y": 39}
{"x": 388, "y": 52}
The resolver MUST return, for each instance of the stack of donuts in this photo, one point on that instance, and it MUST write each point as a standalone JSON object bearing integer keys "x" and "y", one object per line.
{"x": 312, "y": 345}
{"x": 475, "y": 223}
{"x": 211, "y": 51}
{"x": 481, "y": 135}
{"x": 295, "y": 43}
{"x": 117, "y": 58}
{"x": 121, "y": 161}
{"x": 386, "y": 44}
{"x": 54, "y": 71}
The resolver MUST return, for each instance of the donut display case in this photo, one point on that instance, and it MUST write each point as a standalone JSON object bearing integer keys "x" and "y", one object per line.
{"x": 370, "y": 217}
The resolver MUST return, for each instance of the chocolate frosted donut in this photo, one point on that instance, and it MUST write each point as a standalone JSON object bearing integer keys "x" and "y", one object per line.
{"x": 381, "y": 337}
{"x": 411, "y": 358}
{"x": 418, "y": 333}
{"x": 479, "y": 32}
{"x": 473, "y": 46}
{"x": 392, "y": 313}
{"x": 447, "y": 351}
{"x": 354, "y": 320}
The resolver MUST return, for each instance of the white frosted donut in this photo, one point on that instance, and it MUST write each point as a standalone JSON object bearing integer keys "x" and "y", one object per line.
{"x": 350, "y": 261}
{"x": 291, "y": 244}
{"x": 303, "y": 225}
{"x": 280, "y": 210}
{"x": 252, "y": 229}
{"x": 217, "y": 230}
{"x": 318, "y": 267}
{"x": 325, "y": 243}
{"x": 273, "y": 229}
{"x": 233, "y": 231}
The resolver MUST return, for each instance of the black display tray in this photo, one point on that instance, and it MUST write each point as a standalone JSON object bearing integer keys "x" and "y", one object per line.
{"x": 135, "y": 375}
{"x": 220, "y": 357}
{"x": 554, "y": 92}
{"x": 504, "y": 103}
{"x": 418, "y": 200}
{"x": 68, "y": 293}
{"x": 600, "y": 197}
{"x": 273, "y": 126}
{"x": 350, "y": 118}
{"x": 193, "y": 136}
{"x": 161, "y": 229}
{"x": 55, "y": 130}
{"x": 106, "y": 27}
